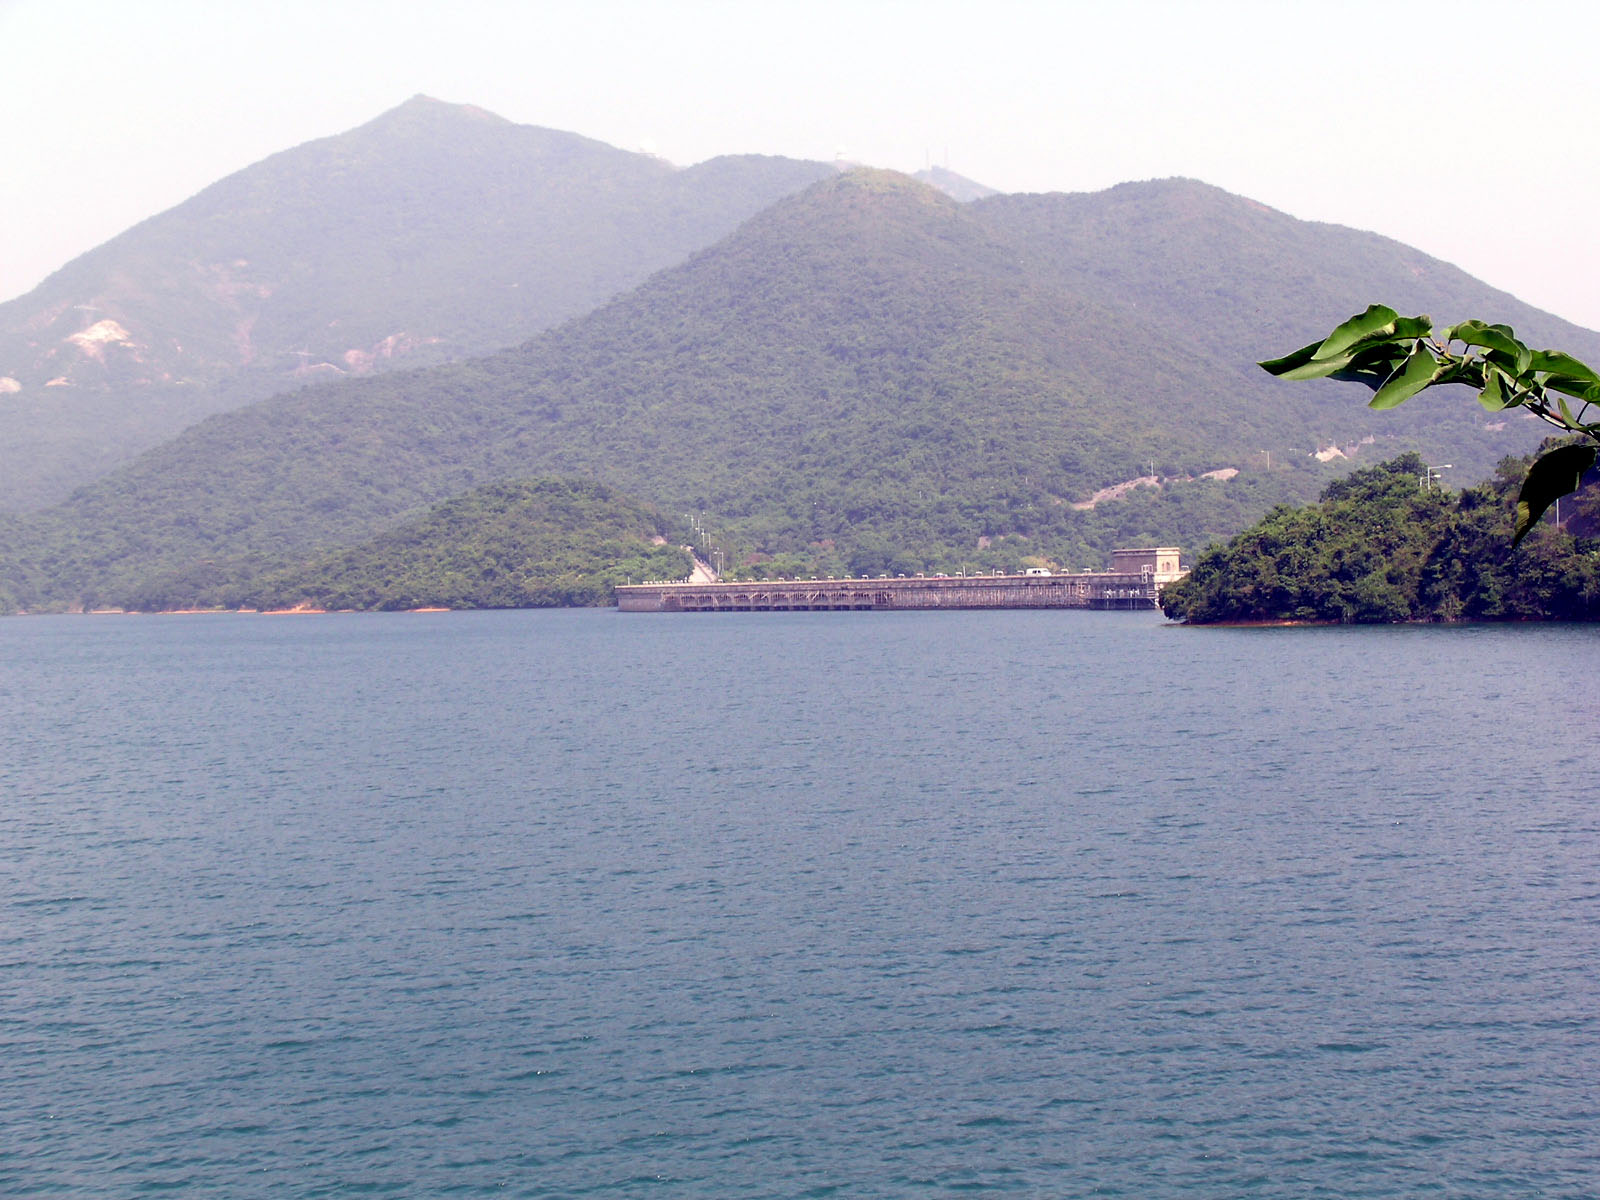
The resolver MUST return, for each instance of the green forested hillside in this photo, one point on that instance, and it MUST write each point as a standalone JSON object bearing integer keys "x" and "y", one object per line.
{"x": 1171, "y": 248}
{"x": 863, "y": 374}
{"x": 1252, "y": 283}
{"x": 532, "y": 543}
{"x": 435, "y": 232}
{"x": 1383, "y": 545}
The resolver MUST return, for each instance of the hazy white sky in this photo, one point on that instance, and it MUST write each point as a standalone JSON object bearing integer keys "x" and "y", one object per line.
{"x": 1436, "y": 124}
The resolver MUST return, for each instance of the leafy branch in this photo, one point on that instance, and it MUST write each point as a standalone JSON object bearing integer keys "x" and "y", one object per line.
{"x": 1397, "y": 357}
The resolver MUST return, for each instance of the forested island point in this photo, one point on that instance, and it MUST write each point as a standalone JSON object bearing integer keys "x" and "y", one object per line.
{"x": 1390, "y": 544}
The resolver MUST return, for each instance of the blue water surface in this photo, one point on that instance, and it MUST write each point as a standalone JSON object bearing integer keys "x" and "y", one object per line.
{"x": 596, "y": 904}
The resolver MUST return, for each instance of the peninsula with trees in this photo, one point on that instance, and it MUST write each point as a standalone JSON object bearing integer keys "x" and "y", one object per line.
{"x": 1388, "y": 543}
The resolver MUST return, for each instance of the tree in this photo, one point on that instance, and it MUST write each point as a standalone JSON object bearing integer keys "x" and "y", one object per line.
{"x": 1397, "y": 357}
{"x": 1378, "y": 548}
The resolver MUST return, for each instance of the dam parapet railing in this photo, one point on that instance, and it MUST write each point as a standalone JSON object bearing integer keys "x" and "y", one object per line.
{"x": 1133, "y": 582}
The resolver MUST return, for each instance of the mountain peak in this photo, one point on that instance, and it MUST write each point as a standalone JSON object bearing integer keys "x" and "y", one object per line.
{"x": 424, "y": 112}
{"x": 424, "y": 103}
{"x": 433, "y": 231}
{"x": 875, "y": 186}
{"x": 865, "y": 202}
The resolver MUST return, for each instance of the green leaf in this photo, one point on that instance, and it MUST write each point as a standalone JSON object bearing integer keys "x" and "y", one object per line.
{"x": 1490, "y": 337}
{"x": 1372, "y": 365}
{"x": 1469, "y": 371}
{"x": 1377, "y": 319}
{"x": 1290, "y": 362}
{"x": 1557, "y": 363}
{"x": 1509, "y": 363}
{"x": 1420, "y": 369}
{"x": 1493, "y": 396}
{"x": 1558, "y": 473}
{"x": 1412, "y": 327}
{"x": 1581, "y": 389}
{"x": 1365, "y": 349}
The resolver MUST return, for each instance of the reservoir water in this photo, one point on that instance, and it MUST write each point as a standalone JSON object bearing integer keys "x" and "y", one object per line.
{"x": 1048, "y": 904}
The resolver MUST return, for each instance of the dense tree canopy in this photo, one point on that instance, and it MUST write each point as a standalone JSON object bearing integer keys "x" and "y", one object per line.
{"x": 1387, "y": 544}
{"x": 528, "y": 543}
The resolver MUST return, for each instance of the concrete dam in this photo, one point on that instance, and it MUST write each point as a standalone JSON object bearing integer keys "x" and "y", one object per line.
{"x": 1133, "y": 582}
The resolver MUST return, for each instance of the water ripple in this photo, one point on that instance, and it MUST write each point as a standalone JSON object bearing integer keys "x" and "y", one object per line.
{"x": 573, "y": 904}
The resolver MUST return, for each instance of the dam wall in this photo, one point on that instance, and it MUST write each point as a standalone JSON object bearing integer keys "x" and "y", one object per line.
{"x": 1134, "y": 582}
